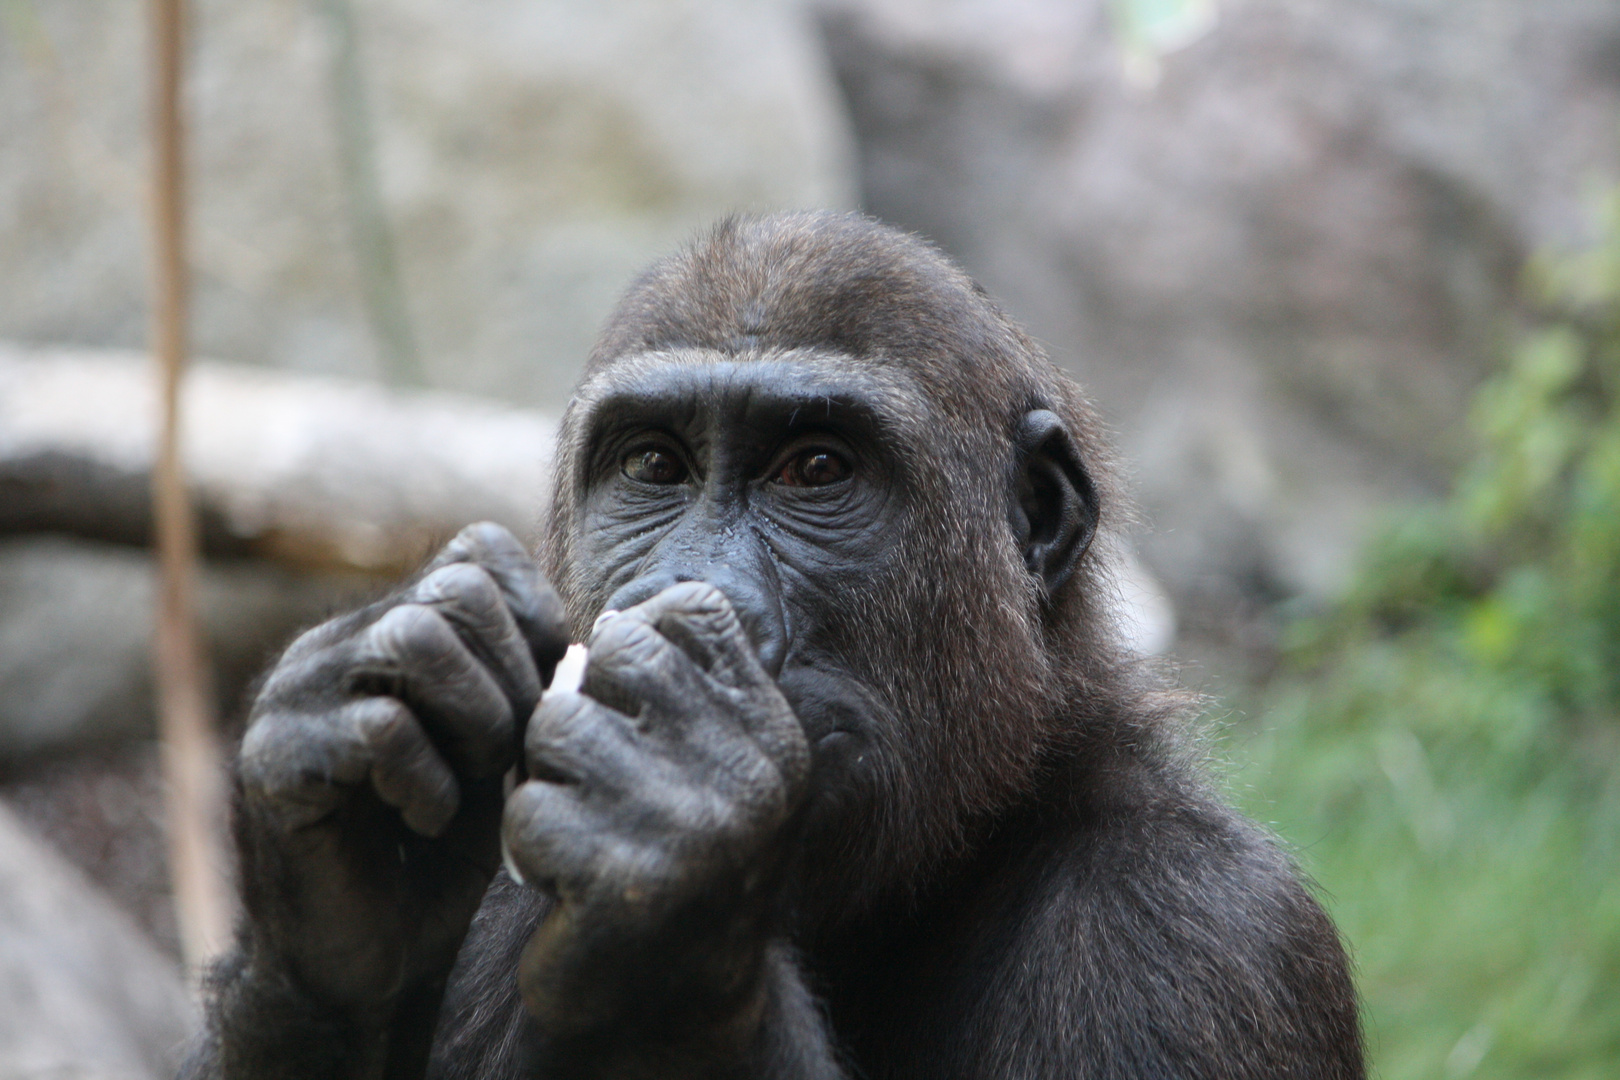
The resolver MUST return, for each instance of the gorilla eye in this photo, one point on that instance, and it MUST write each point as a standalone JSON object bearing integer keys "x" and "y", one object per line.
{"x": 652, "y": 465}
{"x": 813, "y": 468}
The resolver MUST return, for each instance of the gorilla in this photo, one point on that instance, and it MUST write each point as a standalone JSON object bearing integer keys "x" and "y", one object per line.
{"x": 859, "y": 782}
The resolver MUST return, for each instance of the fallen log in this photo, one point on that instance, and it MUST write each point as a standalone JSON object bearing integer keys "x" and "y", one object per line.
{"x": 312, "y": 471}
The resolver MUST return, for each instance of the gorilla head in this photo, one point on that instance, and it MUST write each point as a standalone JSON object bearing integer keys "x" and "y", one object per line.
{"x": 897, "y": 491}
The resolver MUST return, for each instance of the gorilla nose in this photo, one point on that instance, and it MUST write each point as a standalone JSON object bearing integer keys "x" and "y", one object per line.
{"x": 757, "y": 607}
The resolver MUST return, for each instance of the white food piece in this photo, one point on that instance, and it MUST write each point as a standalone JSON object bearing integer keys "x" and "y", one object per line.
{"x": 566, "y": 678}
{"x": 570, "y": 671}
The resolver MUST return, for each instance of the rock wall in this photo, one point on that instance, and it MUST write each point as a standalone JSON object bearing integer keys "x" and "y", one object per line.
{"x": 525, "y": 157}
{"x": 1280, "y": 256}
{"x": 82, "y": 993}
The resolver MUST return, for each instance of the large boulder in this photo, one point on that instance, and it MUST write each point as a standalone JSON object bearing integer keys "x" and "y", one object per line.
{"x": 526, "y": 157}
{"x": 1280, "y": 255}
{"x": 82, "y": 992}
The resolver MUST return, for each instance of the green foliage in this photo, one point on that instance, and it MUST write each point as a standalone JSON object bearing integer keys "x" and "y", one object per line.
{"x": 1444, "y": 748}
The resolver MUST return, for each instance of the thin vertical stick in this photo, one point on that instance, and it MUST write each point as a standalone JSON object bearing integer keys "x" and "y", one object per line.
{"x": 191, "y": 762}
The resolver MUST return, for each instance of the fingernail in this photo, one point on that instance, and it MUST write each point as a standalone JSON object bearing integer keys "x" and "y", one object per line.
{"x": 511, "y": 867}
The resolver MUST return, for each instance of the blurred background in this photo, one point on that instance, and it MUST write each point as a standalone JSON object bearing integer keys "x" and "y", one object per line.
{"x": 1343, "y": 276}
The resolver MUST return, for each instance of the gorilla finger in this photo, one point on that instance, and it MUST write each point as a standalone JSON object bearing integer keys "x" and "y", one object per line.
{"x": 700, "y": 620}
{"x": 633, "y": 668}
{"x": 406, "y": 772}
{"x": 415, "y": 656}
{"x": 535, "y": 605}
{"x": 550, "y": 838}
{"x": 296, "y": 766}
{"x": 574, "y": 739}
{"x": 469, "y": 598}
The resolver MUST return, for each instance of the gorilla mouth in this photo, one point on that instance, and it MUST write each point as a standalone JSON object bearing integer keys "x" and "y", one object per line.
{"x": 828, "y": 705}
{"x": 840, "y": 719}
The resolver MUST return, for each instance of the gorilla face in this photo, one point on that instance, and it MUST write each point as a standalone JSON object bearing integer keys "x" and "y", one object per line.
{"x": 780, "y": 480}
{"x": 816, "y": 492}
{"x": 772, "y": 479}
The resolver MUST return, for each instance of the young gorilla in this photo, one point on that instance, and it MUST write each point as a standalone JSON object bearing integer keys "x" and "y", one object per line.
{"x": 859, "y": 777}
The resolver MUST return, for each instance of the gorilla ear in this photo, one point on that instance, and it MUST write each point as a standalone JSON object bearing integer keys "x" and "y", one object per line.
{"x": 1054, "y": 512}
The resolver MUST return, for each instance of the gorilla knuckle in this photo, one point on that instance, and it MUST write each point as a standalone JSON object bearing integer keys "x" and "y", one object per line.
{"x": 466, "y": 585}
{"x": 488, "y": 539}
{"x": 701, "y": 607}
{"x": 310, "y": 670}
{"x": 556, "y": 720}
{"x": 382, "y": 722}
{"x": 411, "y": 631}
{"x": 262, "y": 756}
{"x": 523, "y": 808}
{"x": 627, "y": 649}
{"x": 538, "y": 819}
{"x": 291, "y": 764}
{"x": 697, "y": 598}
{"x": 621, "y": 635}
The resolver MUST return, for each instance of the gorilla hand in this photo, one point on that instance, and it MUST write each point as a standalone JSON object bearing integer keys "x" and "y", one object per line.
{"x": 656, "y": 815}
{"x": 372, "y": 769}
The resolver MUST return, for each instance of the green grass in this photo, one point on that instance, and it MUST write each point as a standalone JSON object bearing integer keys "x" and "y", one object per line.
{"x": 1443, "y": 748}
{"x": 1482, "y": 907}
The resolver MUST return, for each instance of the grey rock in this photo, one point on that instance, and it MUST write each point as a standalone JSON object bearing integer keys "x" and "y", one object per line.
{"x": 532, "y": 156}
{"x": 82, "y": 992}
{"x": 1280, "y": 256}
{"x": 75, "y": 637}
